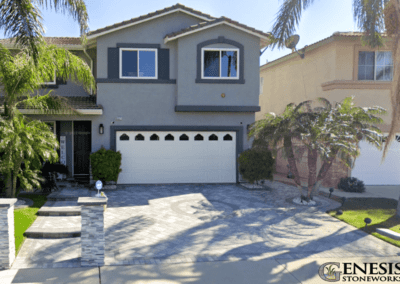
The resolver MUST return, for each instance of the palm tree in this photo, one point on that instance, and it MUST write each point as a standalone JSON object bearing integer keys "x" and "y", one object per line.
{"x": 28, "y": 141}
{"x": 22, "y": 20}
{"x": 373, "y": 17}
{"x": 335, "y": 131}
{"x": 273, "y": 131}
{"x": 325, "y": 131}
{"x": 20, "y": 77}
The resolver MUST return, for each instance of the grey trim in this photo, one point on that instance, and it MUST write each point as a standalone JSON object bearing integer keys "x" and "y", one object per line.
{"x": 139, "y": 45}
{"x": 237, "y": 129}
{"x": 219, "y": 81}
{"x": 220, "y": 39}
{"x": 217, "y": 108}
{"x": 140, "y": 81}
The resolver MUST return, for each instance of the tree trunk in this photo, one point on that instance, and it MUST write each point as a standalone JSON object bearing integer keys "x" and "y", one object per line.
{"x": 287, "y": 143}
{"x": 8, "y": 185}
{"x": 312, "y": 170}
{"x": 323, "y": 171}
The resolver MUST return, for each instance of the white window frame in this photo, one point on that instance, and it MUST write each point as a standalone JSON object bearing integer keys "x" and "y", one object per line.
{"x": 138, "y": 64}
{"x": 375, "y": 65}
{"x": 220, "y": 58}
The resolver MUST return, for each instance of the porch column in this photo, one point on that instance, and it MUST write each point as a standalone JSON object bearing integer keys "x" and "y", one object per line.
{"x": 92, "y": 231}
{"x": 7, "y": 238}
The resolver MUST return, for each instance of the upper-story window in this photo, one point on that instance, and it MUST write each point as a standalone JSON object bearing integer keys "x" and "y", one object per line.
{"x": 261, "y": 85}
{"x": 138, "y": 63}
{"x": 220, "y": 63}
{"x": 375, "y": 65}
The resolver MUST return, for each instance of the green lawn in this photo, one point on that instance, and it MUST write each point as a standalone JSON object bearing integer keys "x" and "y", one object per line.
{"x": 24, "y": 217}
{"x": 380, "y": 210}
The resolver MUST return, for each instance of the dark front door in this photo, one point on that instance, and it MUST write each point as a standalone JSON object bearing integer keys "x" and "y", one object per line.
{"x": 82, "y": 146}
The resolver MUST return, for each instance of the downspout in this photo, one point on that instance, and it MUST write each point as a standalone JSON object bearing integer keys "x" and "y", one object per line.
{"x": 91, "y": 65}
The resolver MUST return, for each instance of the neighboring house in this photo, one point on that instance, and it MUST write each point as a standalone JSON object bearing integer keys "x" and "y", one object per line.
{"x": 335, "y": 68}
{"x": 176, "y": 90}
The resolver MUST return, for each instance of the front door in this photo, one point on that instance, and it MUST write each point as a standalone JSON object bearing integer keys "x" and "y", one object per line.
{"x": 82, "y": 146}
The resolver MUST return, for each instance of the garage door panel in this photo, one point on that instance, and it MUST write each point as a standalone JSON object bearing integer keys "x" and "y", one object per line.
{"x": 369, "y": 169}
{"x": 177, "y": 161}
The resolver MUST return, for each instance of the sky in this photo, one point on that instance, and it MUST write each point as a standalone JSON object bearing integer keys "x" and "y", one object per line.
{"x": 319, "y": 21}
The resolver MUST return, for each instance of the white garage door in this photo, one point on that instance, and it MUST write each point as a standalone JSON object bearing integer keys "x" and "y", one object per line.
{"x": 177, "y": 157}
{"x": 369, "y": 169}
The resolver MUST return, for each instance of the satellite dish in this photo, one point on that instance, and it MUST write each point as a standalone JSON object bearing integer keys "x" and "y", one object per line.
{"x": 292, "y": 41}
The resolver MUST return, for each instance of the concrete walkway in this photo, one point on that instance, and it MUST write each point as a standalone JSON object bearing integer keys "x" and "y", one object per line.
{"x": 371, "y": 191}
{"x": 200, "y": 234}
{"x": 256, "y": 270}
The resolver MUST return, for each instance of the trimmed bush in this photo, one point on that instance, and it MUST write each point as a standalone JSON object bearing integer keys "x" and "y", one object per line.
{"x": 255, "y": 165}
{"x": 351, "y": 184}
{"x": 106, "y": 165}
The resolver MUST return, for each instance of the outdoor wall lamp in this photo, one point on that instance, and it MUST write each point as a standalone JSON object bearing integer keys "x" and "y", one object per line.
{"x": 101, "y": 129}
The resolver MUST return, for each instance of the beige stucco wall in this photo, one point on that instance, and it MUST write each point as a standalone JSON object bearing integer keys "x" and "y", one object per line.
{"x": 328, "y": 70}
{"x": 334, "y": 64}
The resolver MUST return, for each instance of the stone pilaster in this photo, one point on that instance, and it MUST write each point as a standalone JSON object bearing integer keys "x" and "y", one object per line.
{"x": 92, "y": 231}
{"x": 7, "y": 238}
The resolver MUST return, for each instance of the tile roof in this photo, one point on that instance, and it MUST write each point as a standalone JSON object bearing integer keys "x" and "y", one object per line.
{"x": 88, "y": 102}
{"x": 221, "y": 19}
{"x": 50, "y": 40}
{"x": 150, "y": 15}
{"x": 322, "y": 41}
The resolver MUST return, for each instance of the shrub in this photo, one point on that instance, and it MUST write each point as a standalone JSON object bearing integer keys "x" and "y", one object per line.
{"x": 255, "y": 165}
{"x": 351, "y": 184}
{"x": 106, "y": 165}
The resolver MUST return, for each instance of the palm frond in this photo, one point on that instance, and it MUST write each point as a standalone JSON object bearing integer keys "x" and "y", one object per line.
{"x": 22, "y": 20}
{"x": 287, "y": 20}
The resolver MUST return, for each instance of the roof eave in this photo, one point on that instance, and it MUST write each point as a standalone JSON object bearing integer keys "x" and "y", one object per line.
{"x": 90, "y": 37}
{"x": 265, "y": 38}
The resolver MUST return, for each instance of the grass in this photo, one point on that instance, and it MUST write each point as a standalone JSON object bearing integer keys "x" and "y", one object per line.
{"x": 381, "y": 211}
{"x": 24, "y": 217}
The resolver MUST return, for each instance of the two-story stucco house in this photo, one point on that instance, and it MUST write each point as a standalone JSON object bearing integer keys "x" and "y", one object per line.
{"x": 335, "y": 68}
{"x": 176, "y": 89}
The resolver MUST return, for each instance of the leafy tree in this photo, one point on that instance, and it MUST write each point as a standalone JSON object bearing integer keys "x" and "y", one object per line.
{"x": 22, "y": 20}
{"x": 325, "y": 131}
{"x": 329, "y": 132}
{"x": 20, "y": 77}
{"x": 373, "y": 17}
{"x": 278, "y": 132}
{"x": 28, "y": 142}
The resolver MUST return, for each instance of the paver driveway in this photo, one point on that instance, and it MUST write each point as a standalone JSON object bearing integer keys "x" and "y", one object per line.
{"x": 181, "y": 223}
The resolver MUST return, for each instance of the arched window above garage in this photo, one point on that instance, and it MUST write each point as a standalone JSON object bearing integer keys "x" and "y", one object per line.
{"x": 227, "y": 137}
{"x": 139, "y": 137}
{"x": 169, "y": 137}
{"x": 124, "y": 137}
{"x": 184, "y": 137}
{"x": 154, "y": 137}
{"x": 199, "y": 137}
{"x": 213, "y": 137}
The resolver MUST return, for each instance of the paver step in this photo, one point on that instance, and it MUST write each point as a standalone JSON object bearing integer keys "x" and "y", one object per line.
{"x": 60, "y": 208}
{"x": 68, "y": 194}
{"x": 54, "y": 227}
